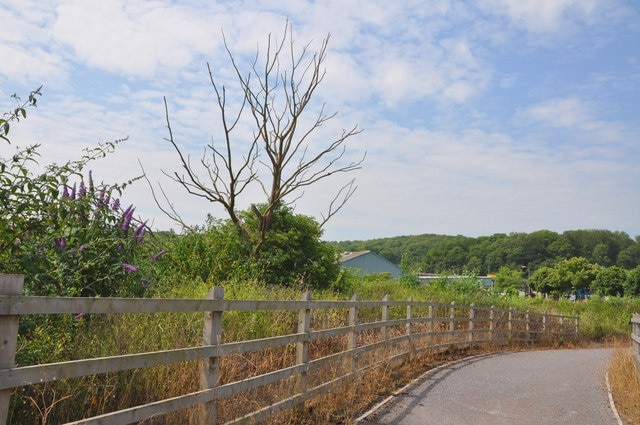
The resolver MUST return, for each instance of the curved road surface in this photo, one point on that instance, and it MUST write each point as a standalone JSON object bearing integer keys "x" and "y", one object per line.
{"x": 532, "y": 387}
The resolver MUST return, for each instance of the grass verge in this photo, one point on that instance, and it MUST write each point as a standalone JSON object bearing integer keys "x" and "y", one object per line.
{"x": 624, "y": 378}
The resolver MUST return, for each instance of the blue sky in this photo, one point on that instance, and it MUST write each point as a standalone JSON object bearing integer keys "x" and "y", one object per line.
{"x": 481, "y": 117}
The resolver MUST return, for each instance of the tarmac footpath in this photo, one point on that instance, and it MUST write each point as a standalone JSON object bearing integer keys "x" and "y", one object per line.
{"x": 551, "y": 387}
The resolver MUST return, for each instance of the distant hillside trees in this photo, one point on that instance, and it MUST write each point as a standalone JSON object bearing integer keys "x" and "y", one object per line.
{"x": 487, "y": 254}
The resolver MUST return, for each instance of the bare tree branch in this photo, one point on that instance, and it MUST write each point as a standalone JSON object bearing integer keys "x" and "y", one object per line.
{"x": 281, "y": 157}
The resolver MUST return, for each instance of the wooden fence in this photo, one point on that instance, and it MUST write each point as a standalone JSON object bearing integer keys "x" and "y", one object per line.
{"x": 635, "y": 337}
{"x": 372, "y": 333}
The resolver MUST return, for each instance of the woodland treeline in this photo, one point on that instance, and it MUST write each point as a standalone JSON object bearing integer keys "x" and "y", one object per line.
{"x": 429, "y": 253}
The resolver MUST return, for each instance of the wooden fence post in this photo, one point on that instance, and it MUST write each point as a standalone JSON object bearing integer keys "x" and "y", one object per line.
{"x": 409, "y": 316}
{"x": 210, "y": 367}
{"x": 431, "y": 317}
{"x": 472, "y": 316}
{"x": 544, "y": 323}
{"x": 562, "y": 329}
{"x": 492, "y": 324}
{"x": 352, "y": 337}
{"x": 385, "y": 318}
{"x": 527, "y": 319}
{"x": 302, "y": 348}
{"x": 10, "y": 284}
{"x": 510, "y": 324}
{"x": 452, "y": 320}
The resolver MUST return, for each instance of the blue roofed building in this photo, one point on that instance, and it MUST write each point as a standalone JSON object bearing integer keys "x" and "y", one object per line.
{"x": 367, "y": 262}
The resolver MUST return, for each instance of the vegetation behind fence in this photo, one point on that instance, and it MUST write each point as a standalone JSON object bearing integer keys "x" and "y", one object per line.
{"x": 313, "y": 354}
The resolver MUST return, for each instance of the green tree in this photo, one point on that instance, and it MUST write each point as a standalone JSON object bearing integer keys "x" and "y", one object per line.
{"x": 609, "y": 281}
{"x": 293, "y": 253}
{"x": 601, "y": 255}
{"x": 508, "y": 280}
{"x": 629, "y": 257}
{"x": 631, "y": 285}
{"x": 575, "y": 273}
{"x": 545, "y": 280}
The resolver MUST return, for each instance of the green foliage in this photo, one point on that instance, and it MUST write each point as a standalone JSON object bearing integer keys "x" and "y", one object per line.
{"x": 632, "y": 285}
{"x": 70, "y": 239}
{"x": 292, "y": 254}
{"x": 545, "y": 280}
{"x": 409, "y": 276}
{"x": 609, "y": 281}
{"x": 18, "y": 112}
{"x": 508, "y": 281}
{"x": 566, "y": 276}
{"x": 575, "y": 273}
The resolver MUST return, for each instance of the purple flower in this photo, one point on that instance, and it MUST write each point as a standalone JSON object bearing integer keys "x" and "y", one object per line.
{"x": 140, "y": 231}
{"x": 116, "y": 204}
{"x": 129, "y": 267}
{"x": 91, "y": 181}
{"x": 73, "y": 192}
{"x": 65, "y": 191}
{"x": 60, "y": 243}
{"x": 82, "y": 190}
{"x": 158, "y": 255}
{"x": 127, "y": 215}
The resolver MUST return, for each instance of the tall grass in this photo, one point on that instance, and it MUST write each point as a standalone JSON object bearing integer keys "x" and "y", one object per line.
{"x": 624, "y": 378}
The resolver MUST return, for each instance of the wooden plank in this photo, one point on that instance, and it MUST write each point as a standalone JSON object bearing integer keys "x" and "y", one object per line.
{"x": 210, "y": 367}
{"x": 302, "y": 347}
{"x": 145, "y": 411}
{"x": 11, "y": 285}
{"x": 28, "y": 375}
{"x": 247, "y": 384}
{"x": 50, "y": 305}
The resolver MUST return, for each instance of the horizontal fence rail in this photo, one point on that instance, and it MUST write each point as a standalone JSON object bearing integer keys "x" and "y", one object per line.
{"x": 373, "y": 333}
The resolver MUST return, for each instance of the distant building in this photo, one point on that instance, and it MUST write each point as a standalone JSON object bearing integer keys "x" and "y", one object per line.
{"x": 367, "y": 262}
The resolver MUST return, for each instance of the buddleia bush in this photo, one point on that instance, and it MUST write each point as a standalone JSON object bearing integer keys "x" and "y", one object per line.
{"x": 66, "y": 234}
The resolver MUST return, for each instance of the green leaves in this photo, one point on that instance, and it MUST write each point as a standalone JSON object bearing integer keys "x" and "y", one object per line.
{"x": 19, "y": 112}
{"x": 65, "y": 243}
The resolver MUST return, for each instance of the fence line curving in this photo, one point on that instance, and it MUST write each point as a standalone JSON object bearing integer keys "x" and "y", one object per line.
{"x": 374, "y": 333}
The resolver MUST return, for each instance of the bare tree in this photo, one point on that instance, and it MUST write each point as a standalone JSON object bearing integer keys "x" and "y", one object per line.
{"x": 276, "y": 94}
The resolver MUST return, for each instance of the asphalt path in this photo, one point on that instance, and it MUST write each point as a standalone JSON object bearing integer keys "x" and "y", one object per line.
{"x": 550, "y": 387}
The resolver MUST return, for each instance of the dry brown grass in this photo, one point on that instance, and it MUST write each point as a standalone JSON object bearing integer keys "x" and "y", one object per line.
{"x": 624, "y": 378}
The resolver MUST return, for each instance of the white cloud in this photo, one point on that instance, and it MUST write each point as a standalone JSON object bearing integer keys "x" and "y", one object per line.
{"x": 560, "y": 112}
{"x": 544, "y": 15}
{"x": 136, "y": 38}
